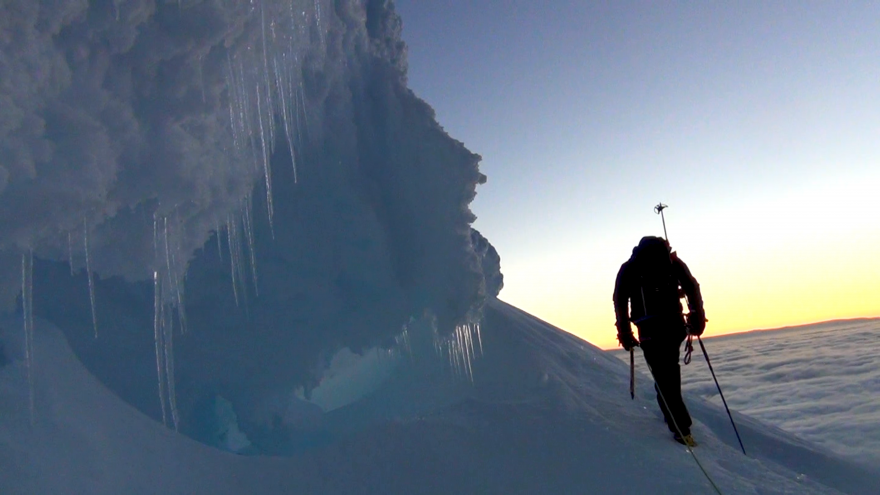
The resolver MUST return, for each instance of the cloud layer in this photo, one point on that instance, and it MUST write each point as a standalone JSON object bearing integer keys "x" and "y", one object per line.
{"x": 821, "y": 382}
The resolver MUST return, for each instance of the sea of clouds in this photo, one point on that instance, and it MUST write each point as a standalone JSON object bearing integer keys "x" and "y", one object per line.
{"x": 821, "y": 381}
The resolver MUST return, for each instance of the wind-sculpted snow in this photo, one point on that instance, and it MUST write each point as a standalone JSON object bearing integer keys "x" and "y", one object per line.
{"x": 249, "y": 185}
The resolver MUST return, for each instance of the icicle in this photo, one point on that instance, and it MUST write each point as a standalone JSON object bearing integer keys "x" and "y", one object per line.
{"x": 465, "y": 338}
{"x": 459, "y": 357}
{"x": 159, "y": 336}
{"x": 462, "y": 332}
{"x": 232, "y": 268}
{"x": 470, "y": 349}
{"x": 406, "y": 343}
{"x": 167, "y": 296}
{"x": 27, "y": 316}
{"x": 90, "y": 277}
{"x": 169, "y": 369}
{"x": 219, "y": 245}
{"x": 171, "y": 269}
{"x": 170, "y": 262}
{"x": 285, "y": 117}
{"x": 302, "y": 95}
{"x": 247, "y": 221}
{"x": 465, "y": 350}
{"x": 456, "y": 344}
{"x": 174, "y": 278}
{"x": 267, "y": 170}
{"x": 459, "y": 351}
{"x": 296, "y": 108}
{"x": 236, "y": 263}
{"x": 269, "y": 102}
{"x": 181, "y": 310}
{"x": 169, "y": 274}
{"x": 156, "y": 236}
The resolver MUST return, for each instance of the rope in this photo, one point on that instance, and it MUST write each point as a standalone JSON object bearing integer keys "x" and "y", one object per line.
{"x": 688, "y": 349}
{"x": 675, "y": 424}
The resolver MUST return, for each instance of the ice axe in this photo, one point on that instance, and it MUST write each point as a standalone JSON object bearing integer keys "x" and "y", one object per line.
{"x": 659, "y": 210}
{"x": 632, "y": 374}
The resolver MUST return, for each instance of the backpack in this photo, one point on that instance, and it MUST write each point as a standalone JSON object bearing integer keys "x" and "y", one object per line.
{"x": 655, "y": 279}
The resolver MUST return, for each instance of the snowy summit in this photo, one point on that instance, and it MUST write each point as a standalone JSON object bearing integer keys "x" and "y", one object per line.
{"x": 237, "y": 256}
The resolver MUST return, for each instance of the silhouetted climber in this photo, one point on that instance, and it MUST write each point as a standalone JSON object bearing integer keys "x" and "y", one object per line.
{"x": 648, "y": 293}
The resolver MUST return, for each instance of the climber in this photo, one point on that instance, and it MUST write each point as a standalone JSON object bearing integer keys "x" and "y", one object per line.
{"x": 648, "y": 293}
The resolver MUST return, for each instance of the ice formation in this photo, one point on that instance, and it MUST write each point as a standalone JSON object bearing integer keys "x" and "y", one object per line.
{"x": 461, "y": 349}
{"x": 285, "y": 128}
{"x": 27, "y": 310}
{"x": 165, "y": 108}
{"x": 89, "y": 276}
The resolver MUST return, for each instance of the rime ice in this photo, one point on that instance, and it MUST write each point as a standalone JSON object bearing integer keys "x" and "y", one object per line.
{"x": 285, "y": 128}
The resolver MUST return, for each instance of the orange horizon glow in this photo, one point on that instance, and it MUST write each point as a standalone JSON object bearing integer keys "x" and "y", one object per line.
{"x": 765, "y": 264}
{"x": 733, "y": 304}
{"x": 605, "y": 338}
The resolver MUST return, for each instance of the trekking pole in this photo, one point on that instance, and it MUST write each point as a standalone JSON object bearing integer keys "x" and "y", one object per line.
{"x": 659, "y": 210}
{"x": 632, "y": 374}
{"x": 706, "y": 355}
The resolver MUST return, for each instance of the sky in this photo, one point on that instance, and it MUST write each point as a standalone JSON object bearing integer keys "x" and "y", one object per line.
{"x": 757, "y": 123}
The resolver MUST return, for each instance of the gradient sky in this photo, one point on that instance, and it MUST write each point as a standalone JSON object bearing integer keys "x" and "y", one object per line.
{"x": 758, "y": 123}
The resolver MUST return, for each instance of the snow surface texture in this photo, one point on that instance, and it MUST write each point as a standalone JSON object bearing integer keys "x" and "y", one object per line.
{"x": 546, "y": 413}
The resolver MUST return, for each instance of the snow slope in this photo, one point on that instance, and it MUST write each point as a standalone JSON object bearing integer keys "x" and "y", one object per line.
{"x": 546, "y": 413}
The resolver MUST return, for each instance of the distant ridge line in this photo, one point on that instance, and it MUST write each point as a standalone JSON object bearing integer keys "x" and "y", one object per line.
{"x": 804, "y": 325}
